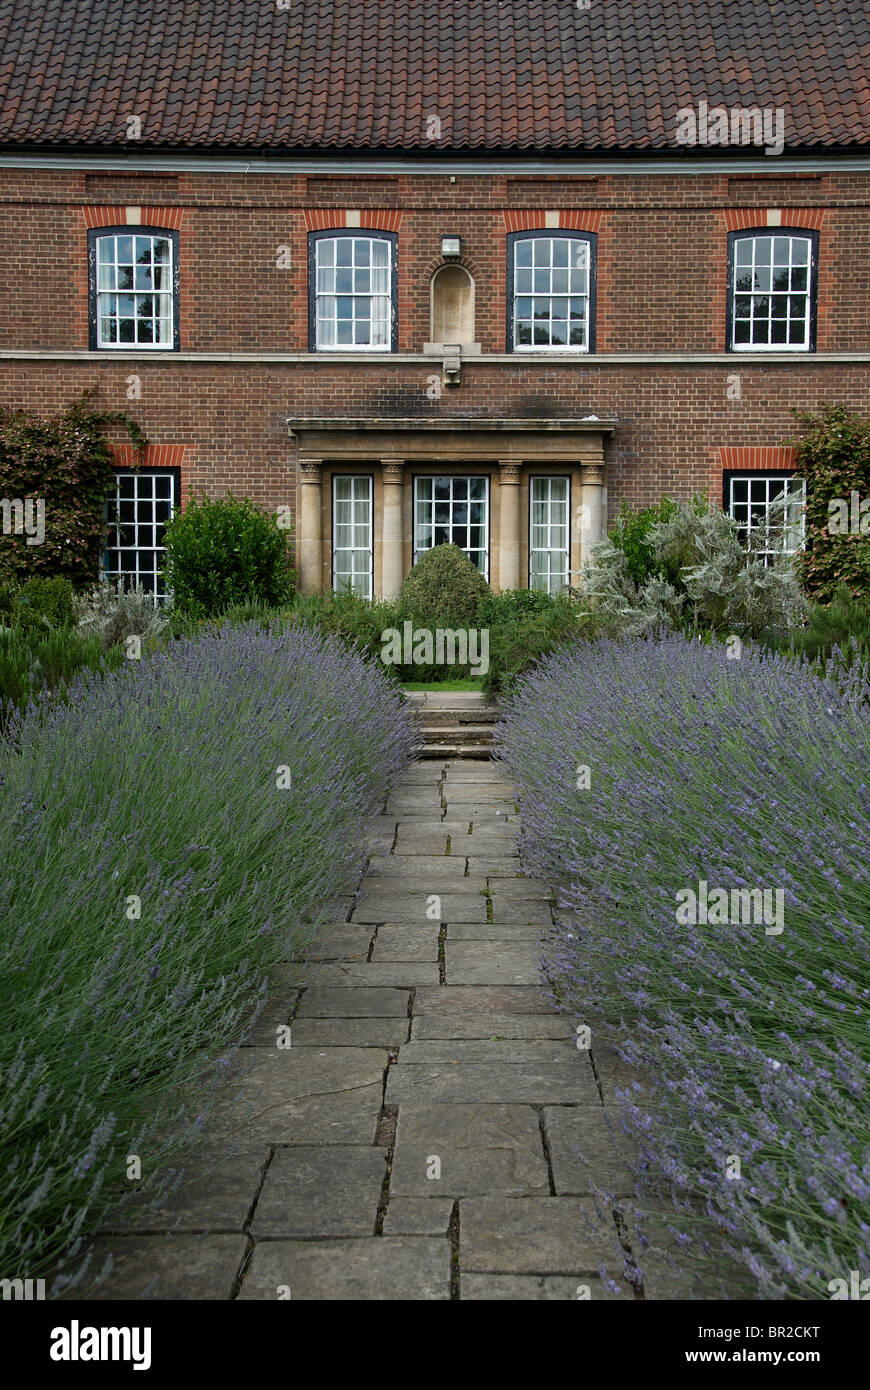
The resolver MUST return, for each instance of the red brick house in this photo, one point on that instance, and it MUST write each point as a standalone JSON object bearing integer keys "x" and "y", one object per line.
{"x": 428, "y": 271}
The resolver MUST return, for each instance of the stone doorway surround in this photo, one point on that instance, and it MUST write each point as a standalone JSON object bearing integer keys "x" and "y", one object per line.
{"x": 395, "y": 451}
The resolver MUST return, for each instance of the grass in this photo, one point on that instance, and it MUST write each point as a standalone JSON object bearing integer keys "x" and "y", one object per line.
{"x": 463, "y": 683}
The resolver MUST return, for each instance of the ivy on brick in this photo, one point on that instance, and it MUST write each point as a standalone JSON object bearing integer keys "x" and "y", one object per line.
{"x": 834, "y": 458}
{"x": 66, "y": 461}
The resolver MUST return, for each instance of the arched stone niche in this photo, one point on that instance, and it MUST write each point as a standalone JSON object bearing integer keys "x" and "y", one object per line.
{"x": 452, "y": 306}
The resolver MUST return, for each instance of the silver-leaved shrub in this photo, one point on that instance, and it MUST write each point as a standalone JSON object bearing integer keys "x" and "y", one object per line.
{"x": 704, "y": 579}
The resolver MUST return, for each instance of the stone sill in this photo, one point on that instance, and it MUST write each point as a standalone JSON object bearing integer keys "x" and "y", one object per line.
{"x": 735, "y": 360}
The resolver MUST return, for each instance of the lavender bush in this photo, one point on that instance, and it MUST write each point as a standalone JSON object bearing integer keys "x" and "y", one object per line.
{"x": 753, "y": 1044}
{"x": 161, "y": 786}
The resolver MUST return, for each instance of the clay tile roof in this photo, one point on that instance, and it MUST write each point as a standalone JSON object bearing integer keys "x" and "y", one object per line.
{"x": 374, "y": 75}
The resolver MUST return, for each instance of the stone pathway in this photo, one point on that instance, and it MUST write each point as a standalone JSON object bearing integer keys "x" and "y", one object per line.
{"x": 419, "y": 1138}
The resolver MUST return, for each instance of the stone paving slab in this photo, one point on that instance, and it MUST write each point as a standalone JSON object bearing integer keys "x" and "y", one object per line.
{"x": 378, "y": 834}
{"x": 215, "y": 1195}
{"x": 349, "y": 1032}
{"x": 495, "y": 864}
{"x": 480, "y": 793}
{"x": 320, "y": 1192}
{"x": 485, "y": 817}
{"x": 418, "y": 1216}
{"x": 301, "y": 1096}
{"x": 541, "y": 1288}
{"x": 345, "y": 942}
{"x": 518, "y": 911}
{"x": 493, "y": 931}
{"x": 484, "y": 1026}
{"x": 476, "y": 963}
{"x": 424, "y": 839}
{"x": 614, "y": 1074}
{"x": 536, "y": 1235}
{"x": 421, "y": 868}
{"x": 413, "y": 904}
{"x": 423, "y": 773}
{"x": 264, "y": 1030}
{"x": 526, "y": 1083}
{"x": 480, "y": 1148}
{"x": 417, "y": 810}
{"x": 519, "y": 889}
{"x": 403, "y": 1268}
{"x": 460, "y": 1051}
{"x": 320, "y": 1002}
{"x": 176, "y": 1267}
{"x": 584, "y": 1150}
{"x": 362, "y": 974}
{"x": 401, "y": 943}
{"x": 497, "y": 999}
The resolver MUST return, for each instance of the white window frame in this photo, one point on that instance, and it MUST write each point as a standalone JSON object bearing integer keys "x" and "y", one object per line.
{"x": 574, "y": 242}
{"x": 360, "y": 487}
{"x": 140, "y": 495}
{"x": 557, "y": 513}
{"x": 115, "y": 294}
{"x": 334, "y": 295}
{"x": 451, "y": 501}
{"x": 773, "y": 483}
{"x": 770, "y": 237}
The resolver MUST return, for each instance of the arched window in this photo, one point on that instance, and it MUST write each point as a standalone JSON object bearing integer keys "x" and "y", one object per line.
{"x": 551, "y": 292}
{"x": 772, "y": 291}
{"x": 452, "y": 306}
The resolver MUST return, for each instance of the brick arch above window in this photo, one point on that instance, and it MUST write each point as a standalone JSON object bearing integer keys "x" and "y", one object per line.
{"x": 564, "y": 219}
{"x": 368, "y": 219}
{"x": 173, "y": 218}
{"x": 743, "y": 219}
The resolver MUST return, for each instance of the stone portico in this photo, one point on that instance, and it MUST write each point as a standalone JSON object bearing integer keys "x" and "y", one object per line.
{"x": 394, "y": 453}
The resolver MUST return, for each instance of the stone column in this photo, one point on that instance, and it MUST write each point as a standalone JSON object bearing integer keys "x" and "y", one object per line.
{"x": 391, "y": 554}
{"x": 509, "y": 524}
{"x": 593, "y": 519}
{"x": 309, "y": 540}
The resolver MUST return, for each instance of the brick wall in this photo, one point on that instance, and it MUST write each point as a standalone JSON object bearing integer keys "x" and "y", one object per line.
{"x": 661, "y": 288}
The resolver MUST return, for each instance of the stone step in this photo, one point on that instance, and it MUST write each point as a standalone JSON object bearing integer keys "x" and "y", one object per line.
{"x": 457, "y": 731}
{"x": 455, "y": 750}
{"x": 431, "y": 716}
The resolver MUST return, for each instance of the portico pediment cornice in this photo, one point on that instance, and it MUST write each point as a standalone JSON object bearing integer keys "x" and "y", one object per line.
{"x": 449, "y": 437}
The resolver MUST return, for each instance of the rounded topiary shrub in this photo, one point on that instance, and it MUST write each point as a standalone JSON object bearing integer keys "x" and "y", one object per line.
{"x": 226, "y": 551}
{"x": 444, "y": 589}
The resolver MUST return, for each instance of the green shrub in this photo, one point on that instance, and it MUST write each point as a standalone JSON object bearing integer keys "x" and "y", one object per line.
{"x": 516, "y": 644}
{"x": 631, "y": 535}
{"x": 834, "y": 460}
{"x": 36, "y": 661}
{"x": 224, "y": 552}
{"x": 43, "y": 602}
{"x": 835, "y": 625}
{"x": 357, "y": 621}
{"x": 444, "y": 589}
{"x": 513, "y": 604}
